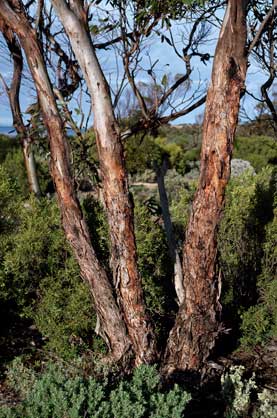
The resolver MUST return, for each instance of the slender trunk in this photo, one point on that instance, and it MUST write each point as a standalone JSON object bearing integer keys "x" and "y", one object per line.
{"x": 118, "y": 203}
{"x": 178, "y": 273}
{"x": 30, "y": 164}
{"x": 197, "y": 323}
{"x": 76, "y": 230}
{"x": 13, "y": 94}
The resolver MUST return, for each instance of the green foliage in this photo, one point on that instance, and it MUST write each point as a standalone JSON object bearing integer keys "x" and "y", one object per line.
{"x": 11, "y": 158}
{"x": 259, "y": 322}
{"x": 58, "y": 392}
{"x": 142, "y": 155}
{"x": 248, "y": 258}
{"x": 19, "y": 377}
{"x": 8, "y": 201}
{"x": 85, "y": 159}
{"x": 248, "y": 209}
{"x": 7, "y": 145}
{"x": 15, "y": 168}
{"x": 154, "y": 262}
{"x": 187, "y": 160}
{"x": 180, "y": 206}
{"x": 98, "y": 227}
{"x": 169, "y": 148}
{"x": 39, "y": 279}
{"x": 150, "y": 152}
{"x": 258, "y": 150}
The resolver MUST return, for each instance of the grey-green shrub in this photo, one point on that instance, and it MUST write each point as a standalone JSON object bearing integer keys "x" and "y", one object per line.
{"x": 239, "y": 393}
{"x": 57, "y": 393}
{"x": 236, "y": 391}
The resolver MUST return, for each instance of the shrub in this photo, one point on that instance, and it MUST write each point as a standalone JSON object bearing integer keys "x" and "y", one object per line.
{"x": 258, "y": 150}
{"x": 39, "y": 278}
{"x": 267, "y": 405}
{"x": 242, "y": 397}
{"x": 249, "y": 207}
{"x": 7, "y": 144}
{"x": 58, "y": 393}
{"x": 259, "y": 323}
{"x": 15, "y": 168}
{"x": 154, "y": 262}
{"x": 237, "y": 391}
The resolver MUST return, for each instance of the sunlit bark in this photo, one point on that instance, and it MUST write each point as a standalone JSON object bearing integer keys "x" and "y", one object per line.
{"x": 116, "y": 194}
{"x": 112, "y": 326}
{"x": 197, "y": 323}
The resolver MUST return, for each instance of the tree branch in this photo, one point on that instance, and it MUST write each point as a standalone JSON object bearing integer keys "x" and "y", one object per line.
{"x": 262, "y": 27}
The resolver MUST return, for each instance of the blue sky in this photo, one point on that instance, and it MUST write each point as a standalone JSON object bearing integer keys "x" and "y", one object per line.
{"x": 168, "y": 62}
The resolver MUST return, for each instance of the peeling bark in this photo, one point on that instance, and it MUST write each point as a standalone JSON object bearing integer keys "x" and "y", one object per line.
{"x": 119, "y": 206}
{"x": 197, "y": 324}
{"x": 112, "y": 325}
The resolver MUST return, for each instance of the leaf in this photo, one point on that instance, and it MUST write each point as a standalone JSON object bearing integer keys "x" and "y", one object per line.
{"x": 164, "y": 80}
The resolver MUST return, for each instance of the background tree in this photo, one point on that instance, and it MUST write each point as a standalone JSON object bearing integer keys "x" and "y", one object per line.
{"x": 13, "y": 94}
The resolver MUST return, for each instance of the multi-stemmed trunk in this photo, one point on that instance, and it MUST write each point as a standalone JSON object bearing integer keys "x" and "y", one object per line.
{"x": 13, "y": 95}
{"x": 197, "y": 324}
{"x": 112, "y": 327}
{"x": 118, "y": 203}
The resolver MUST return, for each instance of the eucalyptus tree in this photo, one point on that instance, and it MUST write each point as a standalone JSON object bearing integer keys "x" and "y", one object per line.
{"x": 112, "y": 328}
{"x": 126, "y": 279}
{"x": 197, "y": 324}
{"x": 124, "y": 323}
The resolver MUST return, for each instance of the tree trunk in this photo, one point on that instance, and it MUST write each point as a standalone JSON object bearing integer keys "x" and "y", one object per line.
{"x": 13, "y": 94}
{"x": 197, "y": 323}
{"x": 112, "y": 325}
{"x": 178, "y": 273}
{"x": 30, "y": 164}
{"x": 118, "y": 203}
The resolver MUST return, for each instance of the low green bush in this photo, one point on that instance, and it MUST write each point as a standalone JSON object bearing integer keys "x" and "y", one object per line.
{"x": 58, "y": 392}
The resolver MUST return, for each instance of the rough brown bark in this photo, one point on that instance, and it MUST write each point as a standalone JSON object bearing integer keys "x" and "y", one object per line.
{"x": 111, "y": 323}
{"x": 118, "y": 203}
{"x": 197, "y": 323}
{"x": 13, "y": 95}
